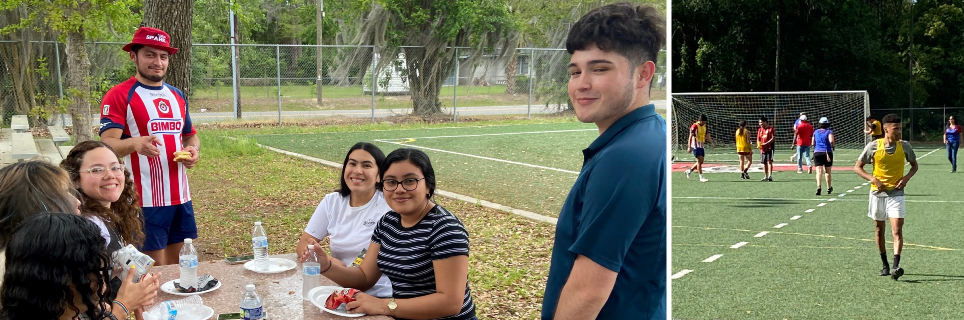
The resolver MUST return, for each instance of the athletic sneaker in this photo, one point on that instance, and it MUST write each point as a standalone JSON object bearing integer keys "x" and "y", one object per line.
{"x": 770, "y": 179}
{"x": 829, "y": 190}
{"x": 688, "y": 174}
{"x": 764, "y": 179}
{"x": 702, "y": 179}
{"x": 799, "y": 171}
{"x": 809, "y": 170}
{"x": 885, "y": 271}
{"x": 818, "y": 191}
{"x": 896, "y": 273}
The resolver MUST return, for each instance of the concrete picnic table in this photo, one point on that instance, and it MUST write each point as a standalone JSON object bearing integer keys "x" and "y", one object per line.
{"x": 280, "y": 292}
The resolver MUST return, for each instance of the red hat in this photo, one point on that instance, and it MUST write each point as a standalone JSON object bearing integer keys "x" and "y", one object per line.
{"x": 152, "y": 37}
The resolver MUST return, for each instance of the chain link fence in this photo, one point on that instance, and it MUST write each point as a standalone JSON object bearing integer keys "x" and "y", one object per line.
{"x": 281, "y": 82}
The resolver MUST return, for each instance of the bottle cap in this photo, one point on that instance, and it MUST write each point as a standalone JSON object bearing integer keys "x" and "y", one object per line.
{"x": 188, "y": 241}
{"x": 311, "y": 247}
{"x": 257, "y": 223}
{"x": 249, "y": 287}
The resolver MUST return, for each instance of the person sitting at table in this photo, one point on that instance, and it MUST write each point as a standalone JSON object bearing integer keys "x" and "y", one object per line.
{"x": 109, "y": 198}
{"x": 28, "y": 188}
{"x": 57, "y": 268}
{"x": 348, "y": 216}
{"x": 423, "y": 248}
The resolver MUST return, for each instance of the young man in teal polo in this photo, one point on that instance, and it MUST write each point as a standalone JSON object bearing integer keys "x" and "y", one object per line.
{"x": 609, "y": 257}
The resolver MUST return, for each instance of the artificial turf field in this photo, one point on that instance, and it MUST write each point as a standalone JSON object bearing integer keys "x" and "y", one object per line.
{"x": 773, "y": 250}
{"x": 530, "y": 167}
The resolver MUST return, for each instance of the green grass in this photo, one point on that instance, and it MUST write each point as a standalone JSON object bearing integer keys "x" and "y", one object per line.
{"x": 540, "y": 190}
{"x": 237, "y": 183}
{"x": 823, "y": 265}
{"x": 303, "y": 98}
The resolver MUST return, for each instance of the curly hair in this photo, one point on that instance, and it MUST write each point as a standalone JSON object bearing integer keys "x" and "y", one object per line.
{"x": 28, "y": 188}
{"x": 635, "y": 32}
{"x": 51, "y": 258}
{"x": 124, "y": 215}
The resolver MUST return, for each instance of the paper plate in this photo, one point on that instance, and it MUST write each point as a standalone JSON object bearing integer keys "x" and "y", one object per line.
{"x": 319, "y": 295}
{"x": 275, "y": 265}
{"x": 169, "y": 288}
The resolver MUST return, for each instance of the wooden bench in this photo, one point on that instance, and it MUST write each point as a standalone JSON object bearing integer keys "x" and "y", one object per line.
{"x": 23, "y": 146}
{"x": 19, "y": 123}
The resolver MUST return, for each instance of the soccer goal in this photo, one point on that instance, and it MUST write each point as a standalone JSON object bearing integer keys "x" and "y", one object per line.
{"x": 846, "y": 110}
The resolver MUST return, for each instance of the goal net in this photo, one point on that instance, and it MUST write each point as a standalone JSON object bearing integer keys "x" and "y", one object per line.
{"x": 846, "y": 110}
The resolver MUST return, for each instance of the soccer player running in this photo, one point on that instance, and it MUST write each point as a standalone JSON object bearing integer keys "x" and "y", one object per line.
{"x": 743, "y": 149}
{"x": 765, "y": 142}
{"x": 803, "y": 137}
{"x": 873, "y": 128}
{"x": 697, "y": 138}
{"x": 823, "y": 144}
{"x": 888, "y": 180}
{"x": 146, "y": 121}
{"x": 609, "y": 256}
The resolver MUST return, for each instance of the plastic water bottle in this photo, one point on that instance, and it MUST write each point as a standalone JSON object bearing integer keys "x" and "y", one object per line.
{"x": 188, "y": 262}
{"x": 312, "y": 272}
{"x": 259, "y": 242}
{"x": 251, "y": 308}
{"x": 167, "y": 310}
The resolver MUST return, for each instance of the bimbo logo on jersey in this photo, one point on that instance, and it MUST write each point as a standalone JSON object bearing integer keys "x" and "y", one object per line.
{"x": 165, "y": 126}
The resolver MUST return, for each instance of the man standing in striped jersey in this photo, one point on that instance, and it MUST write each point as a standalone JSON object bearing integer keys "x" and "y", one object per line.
{"x": 146, "y": 121}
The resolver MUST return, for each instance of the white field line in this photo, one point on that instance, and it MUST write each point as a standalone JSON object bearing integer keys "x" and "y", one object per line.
{"x": 738, "y": 245}
{"x": 713, "y": 258}
{"x": 495, "y": 134}
{"x": 480, "y": 157}
{"x": 523, "y": 213}
{"x": 781, "y": 225}
{"x": 680, "y": 274}
{"x": 814, "y": 199}
{"x": 822, "y": 204}
{"x": 795, "y": 217}
{"x": 809, "y": 210}
{"x": 761, "y": 234}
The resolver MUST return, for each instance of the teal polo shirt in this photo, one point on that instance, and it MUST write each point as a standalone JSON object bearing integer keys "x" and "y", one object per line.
{"x": 615, "y": 215}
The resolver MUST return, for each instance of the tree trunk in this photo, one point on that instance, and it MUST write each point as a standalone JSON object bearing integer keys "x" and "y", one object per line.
{"x": 175, "y": 18}
{"x": 426, "y": 72}
{"x": 19, "y": 57}
{"x": 511, "y": 69}
{"x": 78, "y": 89}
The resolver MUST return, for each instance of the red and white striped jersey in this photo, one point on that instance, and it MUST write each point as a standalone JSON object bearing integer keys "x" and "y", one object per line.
{"x": 142, "y": 110}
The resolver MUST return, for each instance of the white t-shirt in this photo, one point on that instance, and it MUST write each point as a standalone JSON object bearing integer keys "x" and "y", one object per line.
{"x": 350, "y": 230}
{"x": 103, "y": 228}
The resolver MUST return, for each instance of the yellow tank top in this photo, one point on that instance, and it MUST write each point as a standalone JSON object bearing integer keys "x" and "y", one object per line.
{"x": 743, "y": 141}
{"x": 888, "y": 168}
{"x": 700, "y": 133}
{"x": 878, "y": 130}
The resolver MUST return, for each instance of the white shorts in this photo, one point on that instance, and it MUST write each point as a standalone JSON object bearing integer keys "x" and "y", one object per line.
{"x": 882, "y": 208}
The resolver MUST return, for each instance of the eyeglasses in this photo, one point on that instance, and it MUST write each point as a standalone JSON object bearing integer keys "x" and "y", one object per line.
{"x": 100, "y": 172}
{"x": 409, "y": 184}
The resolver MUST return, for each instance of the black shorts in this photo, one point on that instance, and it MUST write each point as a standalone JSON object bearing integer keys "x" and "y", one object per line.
{"x": 766, "y": 156}
{"x": 823, "y": 159}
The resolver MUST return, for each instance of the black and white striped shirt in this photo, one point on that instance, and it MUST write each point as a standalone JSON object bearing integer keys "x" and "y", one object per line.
{"x": 406, "y": 254}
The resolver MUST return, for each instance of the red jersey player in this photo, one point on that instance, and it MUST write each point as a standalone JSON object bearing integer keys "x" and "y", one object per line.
{"x": 146, "y": 121}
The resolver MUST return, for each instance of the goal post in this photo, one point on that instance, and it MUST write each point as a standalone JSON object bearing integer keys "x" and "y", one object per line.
{"x": 846, "y": 110}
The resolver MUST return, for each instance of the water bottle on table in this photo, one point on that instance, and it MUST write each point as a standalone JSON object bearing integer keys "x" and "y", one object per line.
{"x": 168, "y": 310}
{"x": 251, "y": 308}
{"x": 188, "y": 262}
{"x": 312, "y": 272}
{"x": 259, "y": 242}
